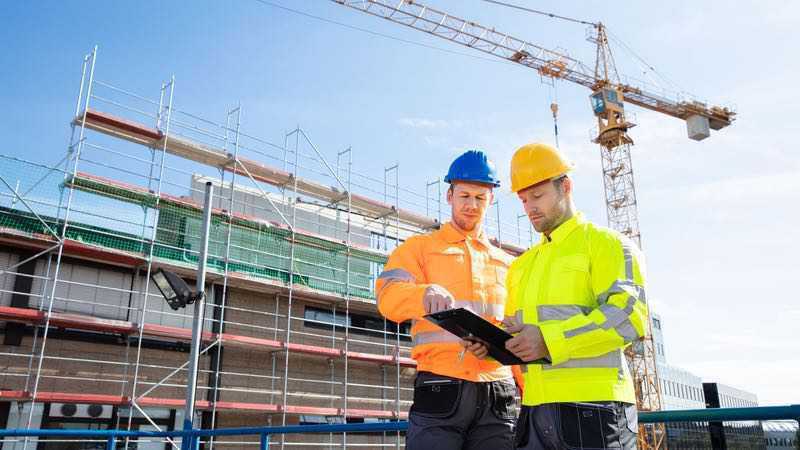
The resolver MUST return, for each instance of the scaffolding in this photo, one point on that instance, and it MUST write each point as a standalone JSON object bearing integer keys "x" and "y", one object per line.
{"x": 290, "y": 332}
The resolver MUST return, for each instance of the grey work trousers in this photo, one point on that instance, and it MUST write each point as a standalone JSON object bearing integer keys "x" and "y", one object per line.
{"x": 453, "y": 414}
{"x": 573, "y": 426}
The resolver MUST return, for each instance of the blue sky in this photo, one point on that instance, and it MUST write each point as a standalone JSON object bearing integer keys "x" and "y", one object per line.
{"x": 716, "y": 216}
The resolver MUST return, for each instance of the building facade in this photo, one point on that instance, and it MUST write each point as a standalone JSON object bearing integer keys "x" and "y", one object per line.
{"x": 781, "y": 435}
{"x": 681, "y": 389}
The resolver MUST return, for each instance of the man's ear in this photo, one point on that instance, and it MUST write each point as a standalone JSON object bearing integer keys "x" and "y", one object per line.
{"x": 566, "y": 185}
{"x": 450, "y": 196}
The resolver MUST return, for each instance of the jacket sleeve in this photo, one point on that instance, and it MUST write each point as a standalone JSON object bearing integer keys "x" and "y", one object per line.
{"x": 400, "y": 287}
{"x": 618, "y": 281}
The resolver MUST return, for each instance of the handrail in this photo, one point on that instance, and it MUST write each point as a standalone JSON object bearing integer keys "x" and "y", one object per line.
{"x": 723, "y": 414}
{"x": 689, "y": 415}
{"x": 193, "y": 435}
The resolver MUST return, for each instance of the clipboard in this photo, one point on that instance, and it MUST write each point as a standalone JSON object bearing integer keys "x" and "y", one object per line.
{"x": 471, "y": 327}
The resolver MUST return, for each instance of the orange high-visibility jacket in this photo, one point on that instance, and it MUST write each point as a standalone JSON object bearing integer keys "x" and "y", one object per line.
{"x": 474, "y": 272}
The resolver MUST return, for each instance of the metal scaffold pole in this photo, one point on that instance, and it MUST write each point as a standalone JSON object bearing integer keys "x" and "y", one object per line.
{"x": 221, "y": 323}
{"x": 386, "y": 324}
{"x": 293, "y": 238}
{"x": 76, "y": 147}
{"x": 165, "y": 120}
{"x": 347, "y": 289}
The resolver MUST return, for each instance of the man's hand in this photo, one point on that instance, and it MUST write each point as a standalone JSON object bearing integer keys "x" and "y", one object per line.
{"x": 528, "y": 344}
{"x": 476, "y": 348}
{"x": 437, "y": 299}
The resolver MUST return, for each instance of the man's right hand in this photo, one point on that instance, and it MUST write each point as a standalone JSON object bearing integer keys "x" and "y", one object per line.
{"x": 476, "y": 348}
{"x": 437, "y": 299}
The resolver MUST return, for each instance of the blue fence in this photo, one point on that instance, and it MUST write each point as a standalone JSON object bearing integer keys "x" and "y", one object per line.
{"x": 190, "y": 438}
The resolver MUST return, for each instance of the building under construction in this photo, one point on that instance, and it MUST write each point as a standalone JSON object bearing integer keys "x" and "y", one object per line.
{"x": 291, "y": 330}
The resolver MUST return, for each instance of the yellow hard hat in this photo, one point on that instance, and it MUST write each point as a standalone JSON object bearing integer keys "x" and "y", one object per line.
{"x": 534, "y": 163}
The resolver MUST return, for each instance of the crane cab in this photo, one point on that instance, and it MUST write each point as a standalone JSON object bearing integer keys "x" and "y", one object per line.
{"x": 606, "y": 99}
{"x": 608, "y": 107}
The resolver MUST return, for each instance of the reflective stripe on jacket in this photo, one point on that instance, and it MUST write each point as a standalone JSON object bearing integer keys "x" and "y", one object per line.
{"x": 472, "y": 270}
{"x": 584, "y": 287}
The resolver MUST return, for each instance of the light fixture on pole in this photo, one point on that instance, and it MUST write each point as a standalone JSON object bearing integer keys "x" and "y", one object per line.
{"x": 174, "y": 290}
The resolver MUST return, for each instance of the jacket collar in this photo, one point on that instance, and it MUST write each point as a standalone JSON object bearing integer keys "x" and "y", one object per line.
{"x": 453, "y": 235}
{"x": 565, "y": 229}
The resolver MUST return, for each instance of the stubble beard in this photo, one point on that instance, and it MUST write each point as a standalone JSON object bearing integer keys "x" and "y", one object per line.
{"x": 464, "y": 225}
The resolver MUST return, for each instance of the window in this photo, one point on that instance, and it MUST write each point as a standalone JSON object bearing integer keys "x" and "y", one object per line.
{"x": 86, "y": 289}
{"x": 324, "y": 317}
{"x": 358, "y": 323}
{"x": 656, "y": 324}
{"x": 598, "y": 103}
{"x": 612, "y": 97}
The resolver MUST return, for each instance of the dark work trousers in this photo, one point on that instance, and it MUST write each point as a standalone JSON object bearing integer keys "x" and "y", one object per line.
{"x": 453, "y": 414}
{"x": 585, "y": 426}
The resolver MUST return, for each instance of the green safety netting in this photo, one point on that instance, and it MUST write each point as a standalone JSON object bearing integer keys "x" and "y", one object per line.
{"x": 256, "y": 249}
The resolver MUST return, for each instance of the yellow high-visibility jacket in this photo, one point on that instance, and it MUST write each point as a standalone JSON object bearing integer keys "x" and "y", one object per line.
{"x": 472, "y": 270}
{"x": 584, "y": 287}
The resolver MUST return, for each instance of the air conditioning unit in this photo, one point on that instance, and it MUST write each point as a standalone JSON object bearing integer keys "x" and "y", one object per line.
{"x": 80, "y": 410}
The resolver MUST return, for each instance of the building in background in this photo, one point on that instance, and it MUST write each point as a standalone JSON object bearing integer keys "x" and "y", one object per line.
{"x": 781, "y": 435}
{"x": 681, "y": 389}
{"x": 733, "y": 435}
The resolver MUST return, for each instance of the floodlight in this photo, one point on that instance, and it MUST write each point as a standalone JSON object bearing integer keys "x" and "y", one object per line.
{"x": 175, "y": 291}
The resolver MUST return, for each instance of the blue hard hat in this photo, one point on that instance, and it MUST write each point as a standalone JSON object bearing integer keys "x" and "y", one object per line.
{"x": 474, "y": 166}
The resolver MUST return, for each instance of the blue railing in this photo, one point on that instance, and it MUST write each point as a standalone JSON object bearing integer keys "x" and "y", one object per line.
{"x": 723, "y": 414}
{"x": 191, "y": 438}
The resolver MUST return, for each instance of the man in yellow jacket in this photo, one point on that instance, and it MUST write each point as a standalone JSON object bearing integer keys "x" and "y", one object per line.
{"x": 460, "y": 401}
{"x": 576, "y": 298}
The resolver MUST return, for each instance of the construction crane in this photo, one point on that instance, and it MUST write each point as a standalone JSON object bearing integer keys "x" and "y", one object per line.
{"x": 608, "y": 97}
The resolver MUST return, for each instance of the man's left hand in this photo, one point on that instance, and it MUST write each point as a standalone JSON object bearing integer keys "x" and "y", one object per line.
{"x": 528, "y": 344}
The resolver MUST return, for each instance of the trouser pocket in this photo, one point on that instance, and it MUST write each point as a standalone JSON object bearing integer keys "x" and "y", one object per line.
{"x": 503, "y": 401}
{"x": 436, "y": 397}
{"x": 588, "y": 425}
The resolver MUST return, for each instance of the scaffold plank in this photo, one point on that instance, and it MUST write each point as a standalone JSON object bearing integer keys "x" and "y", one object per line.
{"x": 185, "y": 148}
{"x": 90, "y": 323}
{"x": 116, "y": 400}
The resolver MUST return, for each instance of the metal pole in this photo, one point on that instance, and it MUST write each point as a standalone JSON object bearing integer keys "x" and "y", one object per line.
{"x": 295, "y": 171}
{"x": 439, "y": 200}
{"x": 497, "y": 206}
{"x": 229, "y": 218}
{"x": 63, "y": 236}
{"x": 197, "y": 322}
{"x": 151, "y": 245}
{"x": 397, "y": 325}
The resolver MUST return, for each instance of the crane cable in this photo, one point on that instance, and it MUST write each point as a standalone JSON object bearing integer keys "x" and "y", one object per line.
{"x": 543, "y": 13}
{"x": 375, "y": 33}
{"x": 616, "y": 39}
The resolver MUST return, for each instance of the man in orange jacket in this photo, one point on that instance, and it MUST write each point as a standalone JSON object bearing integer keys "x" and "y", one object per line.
{"x": 460, "y": 401}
